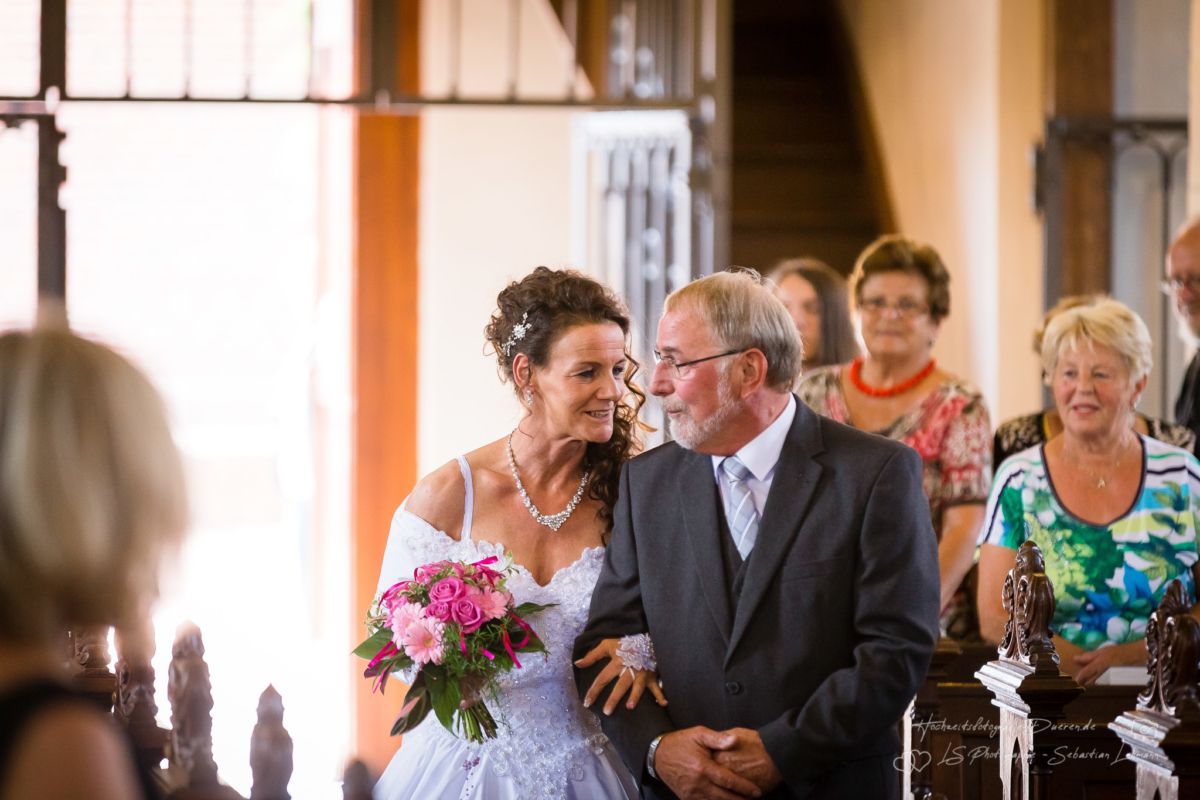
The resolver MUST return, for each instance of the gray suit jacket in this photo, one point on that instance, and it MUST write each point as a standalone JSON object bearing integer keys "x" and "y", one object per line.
{"x": 836, "y": 623}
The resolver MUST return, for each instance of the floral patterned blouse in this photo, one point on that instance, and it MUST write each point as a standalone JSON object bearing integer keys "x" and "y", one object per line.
{"x": 1107, "y": 578}
{"x": 950, "y": 428}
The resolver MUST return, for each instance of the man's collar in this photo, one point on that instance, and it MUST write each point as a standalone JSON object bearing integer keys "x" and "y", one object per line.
{"x": 761, "y": 453}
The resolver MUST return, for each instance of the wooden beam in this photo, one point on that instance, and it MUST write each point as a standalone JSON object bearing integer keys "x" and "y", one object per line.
{"x": 385, "y": 347}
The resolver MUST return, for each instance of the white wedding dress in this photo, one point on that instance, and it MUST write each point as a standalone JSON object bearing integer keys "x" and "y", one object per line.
{"x": 548, "y": 745}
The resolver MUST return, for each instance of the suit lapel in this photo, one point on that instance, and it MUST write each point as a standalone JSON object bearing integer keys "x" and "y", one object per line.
{"x": 792, "y": 489}
{"x": 698, "y": 505}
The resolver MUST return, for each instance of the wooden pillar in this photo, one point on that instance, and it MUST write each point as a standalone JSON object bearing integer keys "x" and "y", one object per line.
{"x": 1079, "y": 206}
{"x": 1030, "y": 691}
{"x": 52, "y": 219}
{"x": 385, "y": 332}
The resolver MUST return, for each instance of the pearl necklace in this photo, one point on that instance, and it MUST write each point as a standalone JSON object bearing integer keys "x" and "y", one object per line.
{"x": 551, "y": 521}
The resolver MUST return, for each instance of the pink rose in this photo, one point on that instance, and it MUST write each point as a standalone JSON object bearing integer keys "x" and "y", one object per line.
{"x": 447, "y": 590}
{"x": 494, "y": 605}
{"x": 467, "y": 614}
{"x": 439, "y": 611}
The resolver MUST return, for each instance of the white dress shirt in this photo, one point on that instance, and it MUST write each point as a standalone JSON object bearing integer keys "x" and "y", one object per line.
{"x": 760, "y": 455}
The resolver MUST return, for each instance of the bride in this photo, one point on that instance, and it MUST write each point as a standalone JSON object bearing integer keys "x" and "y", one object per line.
{"x": 561, "y": 338}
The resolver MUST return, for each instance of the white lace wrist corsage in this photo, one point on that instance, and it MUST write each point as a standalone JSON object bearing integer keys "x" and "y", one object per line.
{"x": 637, "y": 652}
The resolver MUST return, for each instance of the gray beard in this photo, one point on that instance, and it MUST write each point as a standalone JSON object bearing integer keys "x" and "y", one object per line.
{"x": 690, "y": 434}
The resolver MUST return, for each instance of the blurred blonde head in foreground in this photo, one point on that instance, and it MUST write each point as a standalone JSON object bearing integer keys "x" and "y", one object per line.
{"x": 91, "y": 486}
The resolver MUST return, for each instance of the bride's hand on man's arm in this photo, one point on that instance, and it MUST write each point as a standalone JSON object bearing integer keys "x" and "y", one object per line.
{"x": 635, "y": 681}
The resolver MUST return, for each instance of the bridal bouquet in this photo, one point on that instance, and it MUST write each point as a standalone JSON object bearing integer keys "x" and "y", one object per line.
{"x": 458, "y": 626}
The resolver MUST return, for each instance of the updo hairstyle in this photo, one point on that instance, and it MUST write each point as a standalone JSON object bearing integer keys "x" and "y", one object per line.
{"x": 556, "y": 301}
{"x": 895, "y": 253}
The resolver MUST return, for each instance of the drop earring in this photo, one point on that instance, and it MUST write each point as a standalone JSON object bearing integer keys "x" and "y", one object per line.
{"x": 528, "y": 397}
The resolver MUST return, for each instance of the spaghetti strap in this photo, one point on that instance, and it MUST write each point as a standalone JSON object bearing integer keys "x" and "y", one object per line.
{"x": 469, "y": 504}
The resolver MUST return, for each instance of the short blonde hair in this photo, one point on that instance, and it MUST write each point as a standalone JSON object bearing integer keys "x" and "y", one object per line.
{"x": 1064, "y": 303}
{"x": 741, "y": 314}
{"x": 1107, "y": 322}
{"x": 91, "y": 485}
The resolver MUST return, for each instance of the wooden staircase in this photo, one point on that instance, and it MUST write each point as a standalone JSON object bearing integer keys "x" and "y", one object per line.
{"x": 802, "y": 153}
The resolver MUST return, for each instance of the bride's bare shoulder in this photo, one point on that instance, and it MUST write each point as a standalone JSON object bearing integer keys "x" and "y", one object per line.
{"x": 439, "y": 498}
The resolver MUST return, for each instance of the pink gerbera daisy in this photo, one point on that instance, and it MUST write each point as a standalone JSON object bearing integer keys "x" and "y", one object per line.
{"x": 402, "y": 616}
{"x": 493, "y": 604}
{"x": 422, "y": 641}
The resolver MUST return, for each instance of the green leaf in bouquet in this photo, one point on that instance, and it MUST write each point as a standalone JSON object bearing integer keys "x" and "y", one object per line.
{"x": 371, "y": 647}
{"x": 416, "y": 707}
{"x": 525, "y": 609}
{"x": 534, "y": 645}
{"x": 446, "y": 697}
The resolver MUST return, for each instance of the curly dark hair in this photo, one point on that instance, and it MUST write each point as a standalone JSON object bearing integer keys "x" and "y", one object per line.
{"x": 556, "y": 301}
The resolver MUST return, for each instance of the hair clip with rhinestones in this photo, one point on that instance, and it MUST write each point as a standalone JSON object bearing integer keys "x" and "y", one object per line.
{"x": 518, "y": 332}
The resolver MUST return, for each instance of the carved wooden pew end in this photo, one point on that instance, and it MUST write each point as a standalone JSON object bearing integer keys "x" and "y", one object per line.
{"x": 89, "y": 665}
{"x": 1163, "y": 732}
{"x": 192, "y": 768}
{"x": 270, "y": 750}
{"x": 1028, "y": 686}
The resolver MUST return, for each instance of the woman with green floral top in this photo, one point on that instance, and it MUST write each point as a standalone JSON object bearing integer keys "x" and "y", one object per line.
{"x": 1114, "y": 512}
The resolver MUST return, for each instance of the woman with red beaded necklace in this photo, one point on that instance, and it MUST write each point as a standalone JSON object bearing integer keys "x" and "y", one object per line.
{"x": 902, "y": 294}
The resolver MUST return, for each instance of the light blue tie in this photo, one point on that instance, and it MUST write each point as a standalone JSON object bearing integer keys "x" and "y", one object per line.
{"x": 740, "y": 511}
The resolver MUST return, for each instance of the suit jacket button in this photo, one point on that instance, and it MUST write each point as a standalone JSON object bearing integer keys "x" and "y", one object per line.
{"x": 733, "y": 687}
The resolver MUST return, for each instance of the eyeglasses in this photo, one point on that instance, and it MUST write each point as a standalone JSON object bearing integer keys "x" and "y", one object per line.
{"x": 905, "y": 307}
{"x": 1173, "y": 285}
{"x": 681, "y": 368}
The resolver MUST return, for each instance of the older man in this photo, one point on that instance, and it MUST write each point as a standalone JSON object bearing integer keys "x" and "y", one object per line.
{"x": 784, "y": 565}
{"x": 1183, "y": 283}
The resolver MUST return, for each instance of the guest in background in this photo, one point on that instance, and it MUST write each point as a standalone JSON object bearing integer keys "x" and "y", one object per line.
{"x": 1183, "y": 285}
{"x": 1114, "y": 512}
{"x": 815, "y": 296}
{"x": 1024, "y": 432}
{"x": 91, "y": 497}
{"x": 902, "y": 291}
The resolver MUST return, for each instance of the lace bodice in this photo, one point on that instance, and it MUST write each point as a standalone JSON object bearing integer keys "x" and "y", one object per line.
{"x": 545, "y": 734}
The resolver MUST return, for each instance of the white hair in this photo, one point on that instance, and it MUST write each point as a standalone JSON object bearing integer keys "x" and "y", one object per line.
{"x": 742, "y": 314}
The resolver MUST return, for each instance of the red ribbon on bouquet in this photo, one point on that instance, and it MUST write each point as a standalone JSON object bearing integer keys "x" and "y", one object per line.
{"x": 389, "y": 649}
{"x": 508, "y": 644}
